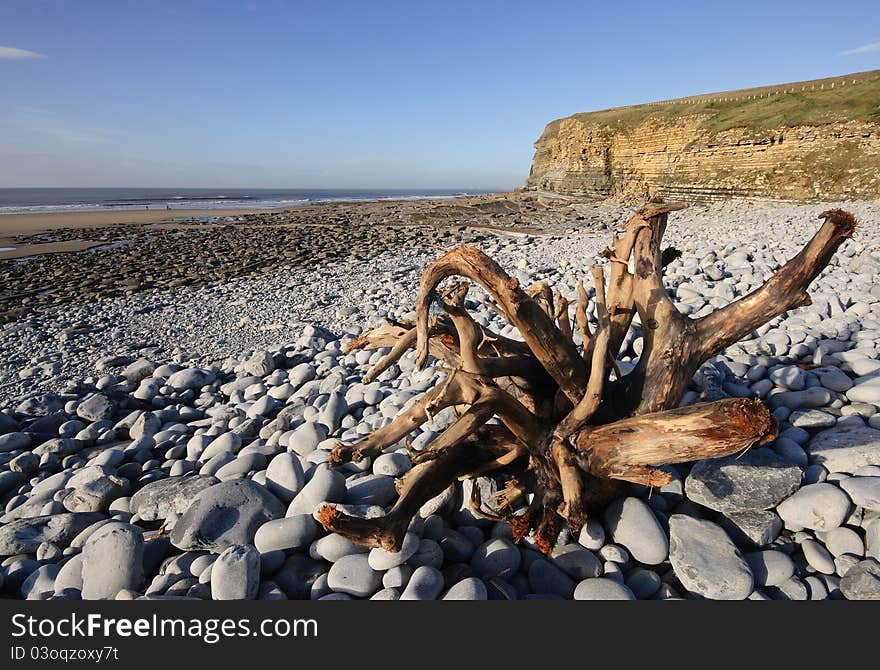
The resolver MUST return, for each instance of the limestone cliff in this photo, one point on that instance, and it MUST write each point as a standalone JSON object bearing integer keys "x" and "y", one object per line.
{"x": 810, "y": 140}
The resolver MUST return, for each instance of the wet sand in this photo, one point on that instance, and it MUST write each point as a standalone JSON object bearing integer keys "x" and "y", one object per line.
{"x": 13, "y": 225}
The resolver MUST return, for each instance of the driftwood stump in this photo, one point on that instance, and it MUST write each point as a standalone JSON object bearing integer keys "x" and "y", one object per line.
{"x": 567, "y": 432}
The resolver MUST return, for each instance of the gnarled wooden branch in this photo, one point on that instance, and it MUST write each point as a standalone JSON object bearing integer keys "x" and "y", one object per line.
{"x": 567, "y": 432}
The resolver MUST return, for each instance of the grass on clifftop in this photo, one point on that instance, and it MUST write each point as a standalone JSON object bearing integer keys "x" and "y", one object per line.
{"x": 851, "y": 102}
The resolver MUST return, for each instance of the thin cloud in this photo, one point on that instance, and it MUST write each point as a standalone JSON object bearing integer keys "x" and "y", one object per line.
{"x": 868, "y": 48}
{"x": 12, "y": 53}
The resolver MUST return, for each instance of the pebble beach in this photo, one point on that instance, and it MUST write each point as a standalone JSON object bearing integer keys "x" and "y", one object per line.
{"x": 169, "y": 397}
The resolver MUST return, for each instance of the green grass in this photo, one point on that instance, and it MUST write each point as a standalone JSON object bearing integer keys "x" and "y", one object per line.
{"x": 851, "y": 102}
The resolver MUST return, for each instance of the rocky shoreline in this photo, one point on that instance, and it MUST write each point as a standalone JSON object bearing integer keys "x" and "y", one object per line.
{"x": 170, "y": 439}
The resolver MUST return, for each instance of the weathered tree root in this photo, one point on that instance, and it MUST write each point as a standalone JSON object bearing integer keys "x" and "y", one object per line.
{"x": 567, "y": 430}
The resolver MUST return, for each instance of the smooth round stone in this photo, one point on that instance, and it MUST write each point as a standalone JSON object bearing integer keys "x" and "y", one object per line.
{"x": 614, "y": 554}
{"x": 577, "y": 562}
{"x": 397, "y": 577}
{"x": 70, "y": 575}
{"x": 470, "y": 588}
{"x": 770, "y": 568}
{"x": 40, "y": 584}
{"x": 112, "y": 561}
{"x": 820, "y": 506}
{"x": 631, "y": 523}
{"x": 241, "y": 466}
{"x": 326, "y": 485}
{"x": 544, "y": 577}
{"x": 789, "y": 376}
{"x": 381, "y": 559}
{"x": 429, "y": 553}
{"x": 496, "y": 558}
{"x": 835, "y": 379}
{"x": 235, "y": 575}
{"x": 386, "y": 594}
{"x": 643, "y": 583}
{"x": 457, "y": 548}
{"x": 843, "y": 563}
{"x": 224, "y": 515}
{"x": 285, "y": 477}
{"x": 844, "y": 540}
{"x": 845, "y": 448}
{"x": 592, "y": 535}
{"x": 291, "y": 532}
{"x": 394, "y": 464}
{"x": 864, "y": 491}
{"x": 306, "y": 438}
{"x": 225, "y": 443}
{"x": 332, "y": 547}
{"x": 426, "y": 583}
{"x": 371, "y": 490}
{"x": 791, "y": 589}
{"x": 601, "y": 588}
{"x": 812, "y": 419}
{"x": 705, "y": 561}
{"x": 352, "y": 575}
{"x": 818, "y": 557}
{"x": 817, "y": 588}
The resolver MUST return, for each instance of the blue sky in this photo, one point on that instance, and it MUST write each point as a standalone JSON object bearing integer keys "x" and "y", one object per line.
{"x": 283, "y": 94}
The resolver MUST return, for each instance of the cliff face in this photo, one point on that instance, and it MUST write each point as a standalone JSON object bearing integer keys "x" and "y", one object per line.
{"x": 688, "y": 154}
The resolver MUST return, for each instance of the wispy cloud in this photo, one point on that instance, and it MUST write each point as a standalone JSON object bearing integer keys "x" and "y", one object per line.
{"x": 12, "y": 53}
{"x": 868, "y": 48}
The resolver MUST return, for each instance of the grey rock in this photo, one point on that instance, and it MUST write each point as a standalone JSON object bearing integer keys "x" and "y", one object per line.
{"x": 259, "y": 364}
{"x": 96, "y": 495}
{"x": 820, "y": 506}
{"x": 189, "y": 378}
{"x": 844, "y": 540}
{"x": 864, "y": 491}
{"x": 770, "y": 568}
{"x": 592, "y": 535}
{"x": 112, "y": 561}
{"x": 818, "y": 557}
{"x": 601, "y": 588}
{"x": 291, "y": 532}
{"x": 24, "y": 536}
{"x": 235, "y": 575}
{"x": 862, "y": 581}
{"x": 845, "y": 448}
{"x": 643, "y": 583}
{"x": 95, "y": 408}
{"x": 812, "y": 419}
{"x": 169, "y": 496}
{"x": 332, "y": 547}
{"x": 326, "y": 485}
{"x": 381, "y": 559}
{"x": 544, "y": 577}
{"x": 756, "y": 480}
{"x": 705, "y": 561}
{"x": 496, "y": 557}
{"x": 285, "y": 477}
{"x": 426, "y": 583}
{"x": 371, "y": 490}
{"x": 632, "y": 523}
{"x": 226, "y": 514}
{"x": 575, "y": 561}
{"x": 758, "y": 528}
{"x": 352, "y": 575}
{"x": 469, "y": 588}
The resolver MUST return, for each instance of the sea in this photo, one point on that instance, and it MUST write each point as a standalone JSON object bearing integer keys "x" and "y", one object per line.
{"x": 45, "y": 200}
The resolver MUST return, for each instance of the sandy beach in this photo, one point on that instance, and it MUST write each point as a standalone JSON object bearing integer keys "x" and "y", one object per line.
{"x": 15, "y": 225}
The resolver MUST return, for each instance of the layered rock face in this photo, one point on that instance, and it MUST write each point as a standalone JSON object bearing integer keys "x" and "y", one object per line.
{"x": 687, "y": 156}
